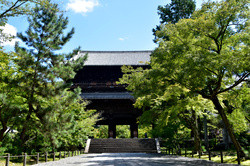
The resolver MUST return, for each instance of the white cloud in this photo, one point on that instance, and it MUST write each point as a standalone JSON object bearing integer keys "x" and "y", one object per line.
{"x": 7, "y": 32}
{"x": 82, "y": 6}
{"x": 123, "y": 38}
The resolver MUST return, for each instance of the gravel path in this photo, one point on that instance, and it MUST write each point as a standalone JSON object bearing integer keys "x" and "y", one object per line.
{"x": 129, "y": 159}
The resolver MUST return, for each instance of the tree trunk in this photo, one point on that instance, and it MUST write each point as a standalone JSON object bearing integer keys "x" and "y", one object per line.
{"x": 2, "y": 131}
{"x": 4, "y": 127}
{"x": 206, "y": 133}
{"x": 194, "y": 126}
{"x": 218, "y": 107}
{"x": 23, "y": 137}
{"x": 225, "y": 137}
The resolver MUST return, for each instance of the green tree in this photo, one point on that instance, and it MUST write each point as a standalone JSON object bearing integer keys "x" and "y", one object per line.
{"x": 166, "y": 107}
{"x": 11, "y": 101}
{"x": 45, "y": 72}
{"x": 208, "y": 54}
{"x": 66, "y": 123}
{"x": 173, "y": 12}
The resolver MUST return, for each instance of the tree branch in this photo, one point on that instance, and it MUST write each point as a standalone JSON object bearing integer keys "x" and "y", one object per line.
{"x": 235, "y": 84}
{"x": 216, "y": 42}
{"x": 211, "y": 71}
{"x": 218, "y": 84}
{"x": 203, "y": 94}
{"x": 13, "y": 7}
{"x": 247, "y": 119}
{"x": 222, "y": 33}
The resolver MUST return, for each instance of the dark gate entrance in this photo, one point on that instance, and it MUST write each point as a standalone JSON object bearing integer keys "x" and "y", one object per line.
{"x": 117, "y": 112}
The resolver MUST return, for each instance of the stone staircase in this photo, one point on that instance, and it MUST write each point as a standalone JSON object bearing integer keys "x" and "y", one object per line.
{"x": 124, "y": 145}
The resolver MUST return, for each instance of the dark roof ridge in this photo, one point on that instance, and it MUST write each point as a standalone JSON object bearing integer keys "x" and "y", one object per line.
{"x": 115, "y": 58}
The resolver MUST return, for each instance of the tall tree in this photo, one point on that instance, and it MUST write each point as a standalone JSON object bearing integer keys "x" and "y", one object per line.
{"x": 208, "y": 54}
{"x": 41, "y": 65}
{"x": 173, "y": 12}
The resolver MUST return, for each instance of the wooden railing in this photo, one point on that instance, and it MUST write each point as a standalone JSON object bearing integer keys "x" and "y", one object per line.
{"x": 99, "y": 85}
{"x": 46, "y": 155}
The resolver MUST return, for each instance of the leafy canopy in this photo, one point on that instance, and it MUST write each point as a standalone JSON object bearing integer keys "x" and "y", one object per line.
{"x": 173, "y": 12}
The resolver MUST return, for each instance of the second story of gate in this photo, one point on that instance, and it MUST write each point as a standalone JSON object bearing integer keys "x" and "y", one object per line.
{"x": 103, "y": 68}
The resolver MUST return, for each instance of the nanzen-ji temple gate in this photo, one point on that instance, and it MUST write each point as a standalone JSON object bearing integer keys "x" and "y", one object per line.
{"x": 98, "y": 82}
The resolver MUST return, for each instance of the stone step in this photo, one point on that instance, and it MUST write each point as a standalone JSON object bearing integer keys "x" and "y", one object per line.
{"x": 122, "y": 151}
{"x": 122, "y": 146}
{"x": 116, "y": 145}
{"x": 128, "y": 145}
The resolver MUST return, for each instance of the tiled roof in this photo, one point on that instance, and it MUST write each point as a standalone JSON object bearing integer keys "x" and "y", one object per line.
{"x": 115, "y": 58}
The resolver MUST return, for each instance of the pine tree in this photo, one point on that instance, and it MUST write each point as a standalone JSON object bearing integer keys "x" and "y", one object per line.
{"x": 45, "y": 72}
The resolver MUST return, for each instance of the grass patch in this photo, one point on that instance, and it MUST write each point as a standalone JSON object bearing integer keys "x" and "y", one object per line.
{"x": 30, "y": 160}
{"x": 228, "y": 157}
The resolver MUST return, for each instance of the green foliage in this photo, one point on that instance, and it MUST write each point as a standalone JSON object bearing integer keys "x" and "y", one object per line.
{"x": 173, "y": 12}
{"x": 158, "y": 100}
{"x": 2, "y": 149}
{"x": 36, "y": 99}
{"x": 210, "y": 59}
{"x": 176, "y": 10}
{"x": 145, "y": 129}
{"x": 237, "y": 104}
{"x": 11, "y": 102}
{"x": 101, "y": 131}
{"x": 123, "y": 131}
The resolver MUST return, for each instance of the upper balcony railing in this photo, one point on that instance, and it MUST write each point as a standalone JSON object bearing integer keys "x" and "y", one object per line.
{"x": 99, "y": 85}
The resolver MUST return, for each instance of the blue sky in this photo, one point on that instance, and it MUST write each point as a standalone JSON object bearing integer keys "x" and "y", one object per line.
{"x": 108, "y": 25}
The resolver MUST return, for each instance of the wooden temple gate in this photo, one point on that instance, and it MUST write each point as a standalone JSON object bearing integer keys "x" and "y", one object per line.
{"x": 98, "y": 79}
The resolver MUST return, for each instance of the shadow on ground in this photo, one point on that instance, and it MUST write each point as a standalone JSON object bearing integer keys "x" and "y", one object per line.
{"x": 132, "y": 159}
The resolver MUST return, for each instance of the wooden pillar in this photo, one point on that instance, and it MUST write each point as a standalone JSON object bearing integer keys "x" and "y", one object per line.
{"x": 206, "y": 133}
{"x": 112, "y": 131}
{"x": 37, "y": 158}
{"x": 54, "y": 156}
{"x": 25, "y": 159}
{"x": 7, "y": 160}
{"x": 46, "y": 156}
{"x": 134, "y": 130}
